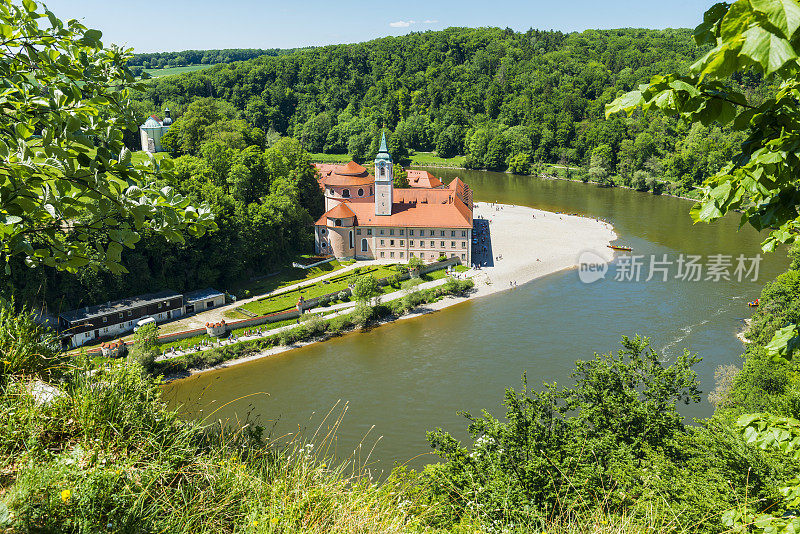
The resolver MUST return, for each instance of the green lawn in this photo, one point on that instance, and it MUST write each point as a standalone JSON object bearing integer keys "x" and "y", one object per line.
{"x": 288, "y": 300}
{"x": 169, "y": 71}
{"x": 330, "y": 158}
{"x": 423, "y": 159}
{"x": 286, "y": 277}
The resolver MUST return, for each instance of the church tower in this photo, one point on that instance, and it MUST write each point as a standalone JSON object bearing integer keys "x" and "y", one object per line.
{"x": 384, "y": 181}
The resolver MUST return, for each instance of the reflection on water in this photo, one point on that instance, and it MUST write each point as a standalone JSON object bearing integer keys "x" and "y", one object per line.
{"x": 414, "y": 375}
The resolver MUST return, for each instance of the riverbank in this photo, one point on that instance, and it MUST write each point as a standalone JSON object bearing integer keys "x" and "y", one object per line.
{"x": 522, "y": 244}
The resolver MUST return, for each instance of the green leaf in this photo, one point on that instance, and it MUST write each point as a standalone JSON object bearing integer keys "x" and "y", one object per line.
{"x": 768, "y": 50}
{"x": 626, "y": 102}
{"x": 783, "y": 14}
{"x": 783, "y": 342}
{"x": 703, "y": 33}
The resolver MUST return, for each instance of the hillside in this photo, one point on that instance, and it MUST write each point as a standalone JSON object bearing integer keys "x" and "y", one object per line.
{"x": 488, "y": 93}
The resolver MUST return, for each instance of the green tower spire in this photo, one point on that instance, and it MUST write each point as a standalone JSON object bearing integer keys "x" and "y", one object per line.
{"x": 383, "y": 152}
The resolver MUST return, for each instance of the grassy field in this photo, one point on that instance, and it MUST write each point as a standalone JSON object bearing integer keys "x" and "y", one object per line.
{"x": 423, "y": 159}
{"x": 169, "y": 71}
{"x": 330, "y": 158}
{"x": 288, "y": 300}
{"x": 420, "y": 159}
{"x": 286, "y": 277}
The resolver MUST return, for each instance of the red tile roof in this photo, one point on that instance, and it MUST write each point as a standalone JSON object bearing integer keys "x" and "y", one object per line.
{"x": 413, "y": 208}
{"x": 339, "y": 175}
{"x": 339, "y": 211}
{"x": 424, "y": 179}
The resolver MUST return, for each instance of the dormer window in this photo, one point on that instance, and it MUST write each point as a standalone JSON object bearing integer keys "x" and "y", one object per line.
{"x": 345, "y": 193}
{"x": 337, "y": 222}
{"x": 361, "y": 192}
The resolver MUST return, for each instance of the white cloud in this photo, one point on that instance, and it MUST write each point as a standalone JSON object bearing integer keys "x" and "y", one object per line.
{"x": 402, "y": 23}
{"x": 430, "y": 21}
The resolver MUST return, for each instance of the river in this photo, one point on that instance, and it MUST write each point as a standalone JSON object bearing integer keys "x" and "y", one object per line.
{"x": 402, "y": 379}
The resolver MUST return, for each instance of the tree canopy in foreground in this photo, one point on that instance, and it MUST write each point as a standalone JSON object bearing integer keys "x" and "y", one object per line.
{"x": 71, "y": 195}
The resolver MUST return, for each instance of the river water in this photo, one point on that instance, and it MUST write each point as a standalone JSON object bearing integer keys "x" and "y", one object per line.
{"x": 399, "y": 380}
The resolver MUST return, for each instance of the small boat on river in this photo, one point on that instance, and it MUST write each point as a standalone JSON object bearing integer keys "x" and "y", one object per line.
{"x": 620, "y": 247}
{"x": 753, "y": 303}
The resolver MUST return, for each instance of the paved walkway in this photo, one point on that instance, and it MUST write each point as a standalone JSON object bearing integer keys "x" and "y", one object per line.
{"x": 215, "y": 315}
{"x": 337, "y": 309}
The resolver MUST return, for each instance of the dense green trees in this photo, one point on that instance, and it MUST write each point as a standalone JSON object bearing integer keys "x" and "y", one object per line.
{"x": 493, "y": 95}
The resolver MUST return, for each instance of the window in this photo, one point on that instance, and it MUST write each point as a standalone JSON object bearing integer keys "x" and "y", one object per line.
{"x": 323, "y": 231}
{"x": 402, "y": 231}
{"x": 381, "y": 242}
{"x": 337, "y": 222}
{"x": 361, "y": 192}
{"x": 463, "y": 257}
{"x": 381, "y": 231}
{"x": 391, "y": 254}
{"x": 411, "y": 255}
{"x": 463, "y": 244}
{"x": 129, "y": 313}
{"x": 382, "y": 254}
{"x": 421, "y": 243}
{"x": 345, "y": 193}
{"x": 391, "y": 231}
{"x": 401, "y": 242}
{"x": 358, "y": 231}
{"x": 433, "y": 244}
{"x": 369, "y": 231}
{"x": 383, "y": 170}
{"x": 121, "y": 315}
{"x": 452, "y": 244}
{"x": 433, "y": 233}
{"x": 401, "y": 254}
{"x": 351, "y": 239}
{"x": 105, "y": 319}
{"x": 463, "y": 233}
{"x": 411, "y": 243}
{"x": 441, "y": 233}
{"x": 370, "y": 190}
{"x": 105, "y": 330}
{"x": 411, "y": 232}
{"x": 442, "y": 242}
{"x": 363, "y": 245}
{"x": 452, "y": 233}
{"x": 391, "y": 242}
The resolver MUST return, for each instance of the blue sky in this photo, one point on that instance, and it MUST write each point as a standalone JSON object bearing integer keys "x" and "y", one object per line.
{"x": 205, "y": 24}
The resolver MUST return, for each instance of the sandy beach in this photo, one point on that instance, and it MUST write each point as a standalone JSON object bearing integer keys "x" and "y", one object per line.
{"x": 526, "y": 244}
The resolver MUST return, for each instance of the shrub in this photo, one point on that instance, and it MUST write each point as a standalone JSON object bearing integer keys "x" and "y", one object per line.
{"x": 25, "y": 346}
{"x": 146, "y": 346}
{"x": 344, "y": 296}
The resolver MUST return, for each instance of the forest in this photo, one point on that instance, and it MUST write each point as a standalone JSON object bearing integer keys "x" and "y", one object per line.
{"x": 505, "y": 99}
{"x": 157, "y": 60}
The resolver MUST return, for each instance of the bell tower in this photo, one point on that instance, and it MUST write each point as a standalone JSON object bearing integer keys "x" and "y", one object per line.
{"x": 384, "y": 181}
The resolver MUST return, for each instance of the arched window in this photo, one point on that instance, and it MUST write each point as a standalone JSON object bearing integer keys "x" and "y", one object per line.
{"x": 345, "y": 193}
{"x": 363, "y": 245}
{"x": 360, "y": 192}
{"x": 383, "y": 170}
{"x": 337, "y": 222}
{"x": 351, "y": 239}
{"x": 370, "y": 190}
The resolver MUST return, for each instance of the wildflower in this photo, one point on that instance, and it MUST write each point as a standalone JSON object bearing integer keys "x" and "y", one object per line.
{"x": 118, "y": 472}
{"x": 65, "y": 496}
{"x": 255, "y": 523}
{"x": 274, "y": 520}
{"x": 323, "y": 466}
